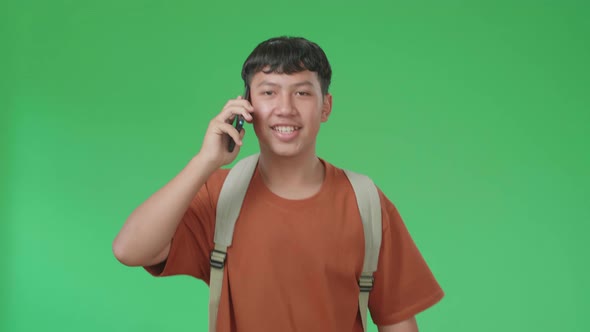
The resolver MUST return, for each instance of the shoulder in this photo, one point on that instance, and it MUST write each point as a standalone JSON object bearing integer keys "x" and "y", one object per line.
{"x": 336, "y": 173}
{"x": 389, "y": 211}
{"x": 215, "y": 182}
{"x": 217, "y": 178}
{"x": 340, "y": 174}
{"x": 208, "y": 194}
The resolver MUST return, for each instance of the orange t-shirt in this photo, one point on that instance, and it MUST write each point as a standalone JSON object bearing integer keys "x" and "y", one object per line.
{"x": 294, "y": 265}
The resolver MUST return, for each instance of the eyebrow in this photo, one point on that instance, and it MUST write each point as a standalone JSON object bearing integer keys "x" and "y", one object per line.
{"x": 304, "y": 83}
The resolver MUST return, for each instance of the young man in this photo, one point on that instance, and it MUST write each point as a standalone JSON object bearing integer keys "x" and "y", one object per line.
{"x": 298, "y": 244}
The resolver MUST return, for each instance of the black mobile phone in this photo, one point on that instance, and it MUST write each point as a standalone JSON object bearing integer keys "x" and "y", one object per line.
{"x": 239, "y": 123}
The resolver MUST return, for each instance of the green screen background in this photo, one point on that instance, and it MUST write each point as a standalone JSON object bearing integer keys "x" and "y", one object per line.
{"x": 473, "y": 117}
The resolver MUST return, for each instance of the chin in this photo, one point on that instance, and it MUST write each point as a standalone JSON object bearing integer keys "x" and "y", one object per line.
{"x": 285, "y": 153}
{"x": 288, "y": 151}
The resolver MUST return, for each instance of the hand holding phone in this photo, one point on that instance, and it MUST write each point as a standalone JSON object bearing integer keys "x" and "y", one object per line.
{"x": 239, "y": 123}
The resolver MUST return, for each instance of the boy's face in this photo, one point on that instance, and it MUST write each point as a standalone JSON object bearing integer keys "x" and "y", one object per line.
{"x": 288, "y": 111}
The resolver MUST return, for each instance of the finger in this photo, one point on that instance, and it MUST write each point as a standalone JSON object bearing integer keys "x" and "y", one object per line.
{"x": 229, "y": 115}
{"x": 230, "y": 112}
{"x": 232, "y": 132}
{"x": 230, "y": 120}
{"x": 240, "y": 101}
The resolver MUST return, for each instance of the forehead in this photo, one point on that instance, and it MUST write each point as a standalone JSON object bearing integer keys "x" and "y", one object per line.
{"x": 262, "y": 78}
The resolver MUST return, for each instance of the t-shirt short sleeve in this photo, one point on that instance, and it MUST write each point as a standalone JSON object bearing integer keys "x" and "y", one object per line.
{"x": 404, "y": 284}
{"x": 192, "y": 242}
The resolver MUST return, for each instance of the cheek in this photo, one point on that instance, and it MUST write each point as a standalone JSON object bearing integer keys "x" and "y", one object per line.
{"x": 262, "y": 108}
{"x": 258, "y": 120}
{"x": 261, "y": 113}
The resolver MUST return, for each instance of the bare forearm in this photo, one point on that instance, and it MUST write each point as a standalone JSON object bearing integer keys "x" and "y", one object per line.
{"x": 149, "y": 229}
{"x": 409, "y": 325}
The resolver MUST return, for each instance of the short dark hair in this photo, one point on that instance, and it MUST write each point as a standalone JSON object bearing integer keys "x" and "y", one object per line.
{"x": 288, "y": 55}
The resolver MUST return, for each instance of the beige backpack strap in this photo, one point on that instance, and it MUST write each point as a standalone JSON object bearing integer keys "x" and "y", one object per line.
{"x": 369, "y": 205}
{"x": 229, "y": 204}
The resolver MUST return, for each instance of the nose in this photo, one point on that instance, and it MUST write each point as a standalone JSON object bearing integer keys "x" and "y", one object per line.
{"x": 285, "y": 105}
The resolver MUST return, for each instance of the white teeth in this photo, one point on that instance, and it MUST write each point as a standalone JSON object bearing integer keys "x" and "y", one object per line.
{"x": 284, "y": 129}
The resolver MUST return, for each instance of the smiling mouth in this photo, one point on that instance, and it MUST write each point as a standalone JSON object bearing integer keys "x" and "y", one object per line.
{"x": 285, "y": 129}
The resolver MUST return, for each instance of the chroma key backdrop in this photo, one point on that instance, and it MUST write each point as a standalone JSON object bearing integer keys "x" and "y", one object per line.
{"x": 473, "y": 117}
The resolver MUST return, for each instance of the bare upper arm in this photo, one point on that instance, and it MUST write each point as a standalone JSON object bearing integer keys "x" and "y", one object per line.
{"x": 409, "y": 325}
{"x": 161, "y": 256}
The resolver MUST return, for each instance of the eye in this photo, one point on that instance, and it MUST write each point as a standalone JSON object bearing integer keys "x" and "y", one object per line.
{"x": 268, "y": 93}
{"x": 303, "y": 93}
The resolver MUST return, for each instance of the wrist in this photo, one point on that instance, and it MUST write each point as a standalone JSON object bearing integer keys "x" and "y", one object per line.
{"x": 203, "y": 164}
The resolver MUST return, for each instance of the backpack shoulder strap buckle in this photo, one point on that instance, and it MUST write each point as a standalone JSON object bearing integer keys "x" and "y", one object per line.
{"x": 217, "y": 259}
{"x": 366, "y": 282}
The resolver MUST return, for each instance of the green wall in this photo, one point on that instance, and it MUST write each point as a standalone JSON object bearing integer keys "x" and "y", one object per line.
{"x": 472, "y": 116}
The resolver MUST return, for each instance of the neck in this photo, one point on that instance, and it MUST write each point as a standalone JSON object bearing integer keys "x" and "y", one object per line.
{"x": 292, "y": 177}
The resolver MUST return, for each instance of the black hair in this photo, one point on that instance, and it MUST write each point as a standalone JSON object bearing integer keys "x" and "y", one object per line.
{"x": 288, "y": 55}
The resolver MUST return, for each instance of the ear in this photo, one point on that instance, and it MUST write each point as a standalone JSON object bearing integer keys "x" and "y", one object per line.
{"x": 326, "y": 107}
